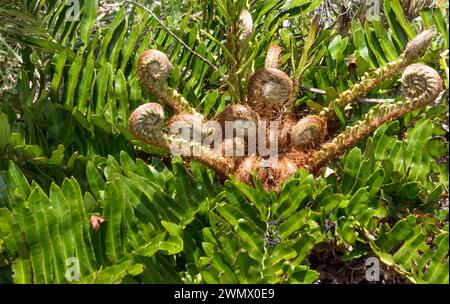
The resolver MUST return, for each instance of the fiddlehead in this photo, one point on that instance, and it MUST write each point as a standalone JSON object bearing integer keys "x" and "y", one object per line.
{"x": 273, "y": 57}
{"x": 147, "y": 123}
{"x": 308, "y": 132}
{"x": 153, "y": 65}
{"x": 245, "y": 25}
{"x": 268, "y": 90}
{"x": 421, "y": 83}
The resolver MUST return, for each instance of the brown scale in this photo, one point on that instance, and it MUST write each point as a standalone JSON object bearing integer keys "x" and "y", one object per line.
{"x": 309, "y": 142}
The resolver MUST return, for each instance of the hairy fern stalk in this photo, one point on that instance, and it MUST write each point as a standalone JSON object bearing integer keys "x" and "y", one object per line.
{"x": 116, "y": 165}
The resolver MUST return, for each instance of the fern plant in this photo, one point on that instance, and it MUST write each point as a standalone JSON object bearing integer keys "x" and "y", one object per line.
{"x": 81, "y": 201}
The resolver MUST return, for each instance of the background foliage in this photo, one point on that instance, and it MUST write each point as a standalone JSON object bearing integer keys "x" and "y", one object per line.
{"x": 67, "y": 89}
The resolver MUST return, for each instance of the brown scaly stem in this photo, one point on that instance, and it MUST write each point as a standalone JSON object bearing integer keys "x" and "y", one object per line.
{"x": 222, "y": 165}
